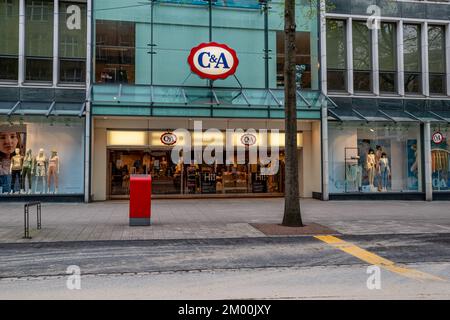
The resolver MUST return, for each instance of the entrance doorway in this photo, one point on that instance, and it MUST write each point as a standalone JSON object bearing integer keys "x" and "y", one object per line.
{"x": 170, "y": 178}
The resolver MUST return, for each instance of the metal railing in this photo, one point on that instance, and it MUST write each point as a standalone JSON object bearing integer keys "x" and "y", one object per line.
{"x": 26, "y": 218}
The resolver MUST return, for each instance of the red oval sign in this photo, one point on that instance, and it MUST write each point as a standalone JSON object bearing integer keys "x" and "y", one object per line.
{"x": 213, "y": 61}
{"x": 438, "y": 137}
{"x": 168, "y": 139}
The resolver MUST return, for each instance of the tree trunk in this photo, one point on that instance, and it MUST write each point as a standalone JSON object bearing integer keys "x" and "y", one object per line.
{"x": 292, "y": 216}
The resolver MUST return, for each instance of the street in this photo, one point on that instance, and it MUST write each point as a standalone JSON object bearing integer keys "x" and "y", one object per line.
{"x": 256, "y": 268}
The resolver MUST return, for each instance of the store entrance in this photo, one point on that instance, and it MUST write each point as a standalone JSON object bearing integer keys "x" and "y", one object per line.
{"x": 123, "y": 163}
{"x": 188, "y": 179}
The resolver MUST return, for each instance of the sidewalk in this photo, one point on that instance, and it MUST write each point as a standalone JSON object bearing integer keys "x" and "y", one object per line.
{"x": 218, "y": 218}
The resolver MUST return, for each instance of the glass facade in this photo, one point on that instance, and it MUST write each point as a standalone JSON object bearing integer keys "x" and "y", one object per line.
{"x": 41, "y": 156}
{"x": 375, "y": 157}
{"x": 9, "y": 41}
{"x": 158, "y": 38}
{"x": 39, "y": 40}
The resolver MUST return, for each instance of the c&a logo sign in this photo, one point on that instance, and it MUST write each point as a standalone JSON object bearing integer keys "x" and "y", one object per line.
{"x": 213, "y": 61}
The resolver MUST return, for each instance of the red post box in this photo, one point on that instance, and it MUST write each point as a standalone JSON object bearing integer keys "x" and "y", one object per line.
{"x": 140, "y": 200}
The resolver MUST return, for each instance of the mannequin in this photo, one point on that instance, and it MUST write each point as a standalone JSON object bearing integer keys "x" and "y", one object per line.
{"x": 163, "y": 165}
{"x": 53, "y": 171}
{"x": 27, "y": 170}
{"x": 40, "y": 169}
{"x": 378, "y": 154}
{"x": 385, "y": 171}
{"x": 370, "y": 167}
{"x": 16, "y": 170}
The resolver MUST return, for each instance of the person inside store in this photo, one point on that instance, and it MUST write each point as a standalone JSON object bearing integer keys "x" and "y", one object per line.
{"x": 9, "y": 141}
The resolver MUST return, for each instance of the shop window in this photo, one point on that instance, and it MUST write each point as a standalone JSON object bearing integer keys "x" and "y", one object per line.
{"x": 72, "y": 44}
{"x": 41, "y": 156}
{"x": 440, "y": 160}
{"x": 115, "y": 52}
{"x": 412, "y": 58}
{"x": 362, "y": 57}
{"x": 387, "y": 53}
{"x": 336, "y": 55}
{"x": 436, "y": 59}
{"x": 374, "y": 158}
{"x": 39, "y": 41}
{"x": 302, "y": 59}
{"x": 9, "y": 41}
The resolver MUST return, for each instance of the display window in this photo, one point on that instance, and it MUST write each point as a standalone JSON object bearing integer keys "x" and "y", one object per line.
{"x": 374, "y": 158}
{"x": 194, "y": 178}
{"x": 440, "y": 160}
{"x": 41, "y": 156}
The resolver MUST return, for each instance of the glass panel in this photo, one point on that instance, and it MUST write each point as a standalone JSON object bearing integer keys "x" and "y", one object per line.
{"x": 39, "y": 40}
{"x": 336, "y": 44}
{"x": 9, "y": 41}
{"x": 115, "y": 52}
{"x": 413, "y": 83}
{"x": 39, "y": 69}
{"x": 440, "y": 160}
{"x": 379, "y": 157}
{"x": 362, "y": 81}
{"x": 362, "y": 46}
{"x": 336, "y": 80}
{"x": 411, "y": 47}
{"x": 302, "y": 59}
{"x": 388, "y": 82}
{"x": 387, "y": 47}
{"x": 437, "y": 84}
{"x": 436, "y": 49}
{"x": 72, "y": 44}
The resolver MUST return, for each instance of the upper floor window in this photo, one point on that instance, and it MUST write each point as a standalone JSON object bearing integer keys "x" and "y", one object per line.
{"x": 362, "y": 57}
{"x": 115, "y": 51}
{"x": 302, "y": 59}
{"x": 387, "y": 57}
{"x": 9, "y": 40}
{"x": 412, "y": 58}
{"x": 436, "y": 59}
{"x": 72, "y": 42}
{"x": 336, "y": 55}
{"x": 39, "y": 40}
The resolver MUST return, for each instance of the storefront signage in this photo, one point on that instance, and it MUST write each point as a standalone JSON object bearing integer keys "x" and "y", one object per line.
{"x": 248, "y": 139}
{"x": 168, "y": 138}
{"x": 213, "y": 61}
{"x": 438, "y": 137}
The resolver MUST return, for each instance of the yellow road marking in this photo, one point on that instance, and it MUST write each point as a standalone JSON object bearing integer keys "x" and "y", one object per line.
{"x": 374, "y": 259}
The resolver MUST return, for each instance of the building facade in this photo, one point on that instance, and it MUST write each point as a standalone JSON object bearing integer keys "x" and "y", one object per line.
{"x": 386, "y": 66}
{"x": 143, "y": 89}
{"x": 44, "y": 69}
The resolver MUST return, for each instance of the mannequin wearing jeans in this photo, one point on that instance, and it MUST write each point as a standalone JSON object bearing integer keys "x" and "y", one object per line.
{"x": 385, "y": 171}
{"x": 53, "y": 171}
{"x": 27, "y": 169}
{"x": 16, "y": 170}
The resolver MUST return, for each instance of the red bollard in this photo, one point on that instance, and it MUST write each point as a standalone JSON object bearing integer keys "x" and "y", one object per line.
{"x": 140, "y": 200}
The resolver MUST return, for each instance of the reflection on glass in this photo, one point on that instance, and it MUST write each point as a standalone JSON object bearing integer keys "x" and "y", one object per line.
{"x": 336, "y": 55}
{"x": 412, "y": 58}
{"x": 387, "y": 52}
{"x": 9, "y": 41}
{"x": 436, "y": 59}
{"x": 376, "y": 158}
{"x": 39, "y": 40}
{"x": 362, "y": 57}
{"x": 115, "y": 52}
